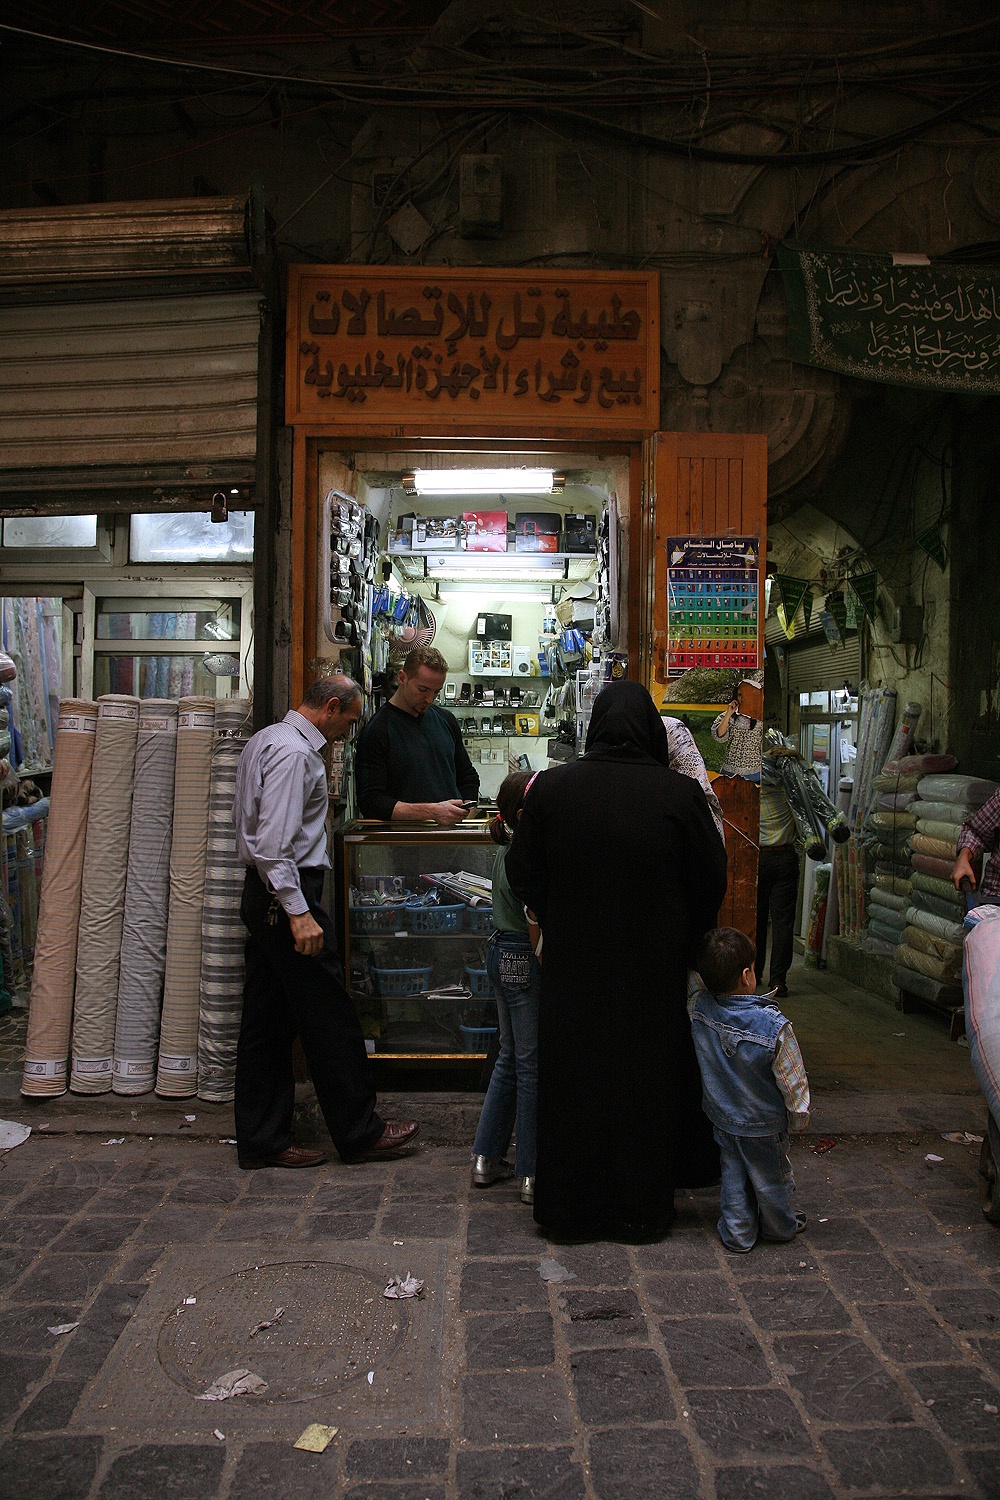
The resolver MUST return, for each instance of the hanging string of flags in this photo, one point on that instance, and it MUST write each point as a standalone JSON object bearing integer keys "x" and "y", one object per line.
{"x": 840, "y": 611}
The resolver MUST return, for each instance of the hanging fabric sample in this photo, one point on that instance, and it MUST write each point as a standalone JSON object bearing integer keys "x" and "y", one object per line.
{"x": 147, "y": 895}
{"x": 222, "y": 932}
{"x": 177, "y": 1067}
{"x": 46, "y": 1050}
{"x": 102, "y": 902}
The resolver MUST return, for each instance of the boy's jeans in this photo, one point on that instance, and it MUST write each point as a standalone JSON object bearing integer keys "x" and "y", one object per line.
{"x": 513, "y": 1091}
{"x": 757, "y": 1187}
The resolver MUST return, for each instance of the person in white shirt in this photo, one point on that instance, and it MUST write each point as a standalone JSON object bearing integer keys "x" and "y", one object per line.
{"x": 294, "y": 982}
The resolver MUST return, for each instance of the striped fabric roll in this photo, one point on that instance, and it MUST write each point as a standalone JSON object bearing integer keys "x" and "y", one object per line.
{"x": 50, "y": 1019}
{"x": 222, "y": 932}
{"x": 147, "y": 893}
{"x": 102, "y": 902}
{"x": 177, "y": 1068}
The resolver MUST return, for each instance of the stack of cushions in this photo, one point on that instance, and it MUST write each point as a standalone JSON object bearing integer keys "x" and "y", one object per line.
{"x": 928, "y": 958}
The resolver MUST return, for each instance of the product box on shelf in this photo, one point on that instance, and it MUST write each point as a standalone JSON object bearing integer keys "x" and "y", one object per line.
{"x": 580, "y": 533}
{"x": 536, "y": 531}
{"x": 489, "y": 659}
{"x": 485, "y": 530}
{"x": 436, "y": 533}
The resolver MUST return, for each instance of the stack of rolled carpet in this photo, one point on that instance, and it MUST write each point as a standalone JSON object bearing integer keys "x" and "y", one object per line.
{"x": 117, "y": 989}
{"x": 928, "y": 957}
{"x": 889, "y": 832}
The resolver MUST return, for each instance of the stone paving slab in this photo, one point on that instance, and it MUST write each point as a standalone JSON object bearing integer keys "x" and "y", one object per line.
{"x": 861, "y": 1360}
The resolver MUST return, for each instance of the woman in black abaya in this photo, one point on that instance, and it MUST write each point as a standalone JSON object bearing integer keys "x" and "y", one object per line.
{"x": 620, "y": 859}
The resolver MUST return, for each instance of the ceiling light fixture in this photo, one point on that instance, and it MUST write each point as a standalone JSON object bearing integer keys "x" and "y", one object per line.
{"x": 483, "y": 482}
{"x": 492, "y": 567}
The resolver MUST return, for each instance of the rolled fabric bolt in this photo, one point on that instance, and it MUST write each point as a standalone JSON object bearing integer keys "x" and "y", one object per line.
{"x": 147, "y": 895}
{"x": 936, "y": 925}
{"x": 102, "y": 902}
{"x": 222, "y": 932}
{"x": 927, "y": 864}
{"x": 177, "y": 1068}
{"x": 937, "y": 947}
{"x": 50, "y": 1018}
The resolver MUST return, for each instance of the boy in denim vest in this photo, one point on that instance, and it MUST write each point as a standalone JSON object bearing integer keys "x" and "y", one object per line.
{"x": 754, "y": 1090}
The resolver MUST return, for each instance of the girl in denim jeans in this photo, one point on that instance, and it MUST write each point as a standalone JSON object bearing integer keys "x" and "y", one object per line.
{"x": 515, "y": 977}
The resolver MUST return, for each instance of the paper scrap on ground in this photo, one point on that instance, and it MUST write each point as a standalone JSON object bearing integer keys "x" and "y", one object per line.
{"x": 279, "y": 1313}
{"x": 220, "y": 1435}
{"x": 551, "y": 1270}
{"x": 12, "y": 1134}
{"x": 931, "y": 1157}
{"x": 962, "y": 1137}
{"x": 822, "y": 1146}
{"x": 116, "y": 1140}
{"x": 63, "y": 1327}
{"x": 371, "y": 1376}
{"x": 234, "y": 1383}
{"x": 316, "y": 1438}
{"x": 404, "y": 1286}
{"x": 190, "y": 1301}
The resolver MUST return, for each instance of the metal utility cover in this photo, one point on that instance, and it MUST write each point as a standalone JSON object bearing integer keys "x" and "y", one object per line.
{"x": 336, "y": 1330}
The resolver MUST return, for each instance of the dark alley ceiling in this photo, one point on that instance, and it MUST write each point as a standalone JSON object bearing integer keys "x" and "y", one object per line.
{"x": 225, "y": 22}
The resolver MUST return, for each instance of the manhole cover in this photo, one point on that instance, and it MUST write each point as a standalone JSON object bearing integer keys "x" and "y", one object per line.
{"x": 335, "y": 1327}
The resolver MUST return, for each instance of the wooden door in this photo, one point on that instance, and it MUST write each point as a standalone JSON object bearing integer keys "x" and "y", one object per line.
{"x": 710, "y": 484}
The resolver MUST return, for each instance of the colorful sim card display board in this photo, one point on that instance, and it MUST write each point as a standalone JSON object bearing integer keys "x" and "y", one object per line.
{"x": 712, "y": 602}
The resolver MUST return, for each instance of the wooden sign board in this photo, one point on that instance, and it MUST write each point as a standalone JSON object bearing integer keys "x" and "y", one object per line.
{"x": 458, "y": 349}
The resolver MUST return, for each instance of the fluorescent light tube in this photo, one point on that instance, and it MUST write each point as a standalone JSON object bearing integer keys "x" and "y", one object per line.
{"x": 482, "y": 482}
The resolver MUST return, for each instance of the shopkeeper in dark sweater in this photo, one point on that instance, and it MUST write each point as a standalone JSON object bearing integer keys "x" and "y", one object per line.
{"x": 410, "y": 762}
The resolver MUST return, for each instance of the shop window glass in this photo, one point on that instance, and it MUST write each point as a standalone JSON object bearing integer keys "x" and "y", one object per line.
{"x": 166, "y": 669}
{"x": 50, "y": 531}
{"x": 191, "y": 536}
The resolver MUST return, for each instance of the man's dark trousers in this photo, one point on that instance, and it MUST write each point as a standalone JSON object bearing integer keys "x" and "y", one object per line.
{"x": 286, "y": 994}
{"x": 777, "y": 896}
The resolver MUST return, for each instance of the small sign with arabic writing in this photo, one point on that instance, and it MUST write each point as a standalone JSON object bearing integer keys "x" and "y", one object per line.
{"x": 474, "y": 348}
{"x": 936, "y": 327}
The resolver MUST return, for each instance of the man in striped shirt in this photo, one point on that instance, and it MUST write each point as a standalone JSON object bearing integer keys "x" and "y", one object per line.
{"x": 294, "y": 978}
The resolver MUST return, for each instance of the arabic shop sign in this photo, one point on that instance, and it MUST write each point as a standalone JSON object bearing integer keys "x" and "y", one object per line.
{"x": 473, "y": 348}
{"x": 936, "y": 327}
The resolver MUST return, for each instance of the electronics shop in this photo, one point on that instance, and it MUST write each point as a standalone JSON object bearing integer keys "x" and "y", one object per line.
{"x": 475, "y": 464}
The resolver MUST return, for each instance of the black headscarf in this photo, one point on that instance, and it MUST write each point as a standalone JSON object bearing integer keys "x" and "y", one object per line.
{"x": 625, "y": 725}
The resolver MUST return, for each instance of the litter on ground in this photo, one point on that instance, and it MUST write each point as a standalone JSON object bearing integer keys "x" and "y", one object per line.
{"x": 962, "y": 1137}
{"x": 234, "y": 1383}
{"x": 316, "y": 1438}
{"x": 404, "y": 1286}
{"x": 13, "y": 1134}
{"x": 58, "y": 1328}
{"x": 551, "y": 1270}
{"x": 279, "y": 1313}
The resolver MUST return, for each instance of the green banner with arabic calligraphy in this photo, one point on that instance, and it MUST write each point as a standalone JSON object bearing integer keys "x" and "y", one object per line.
{"x": 501, "y": 350}
{"x": 936, "y": 327}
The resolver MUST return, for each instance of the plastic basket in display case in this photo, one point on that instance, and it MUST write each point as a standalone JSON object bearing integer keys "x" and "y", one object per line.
{"x": 369, "y": 919}
{"x": 478, "y": 981}
{"x": 436, "y": 918}
{"x": 402, "y": 981}
{"x": 477, "y": 1038}
{"x": 479, "y": 919}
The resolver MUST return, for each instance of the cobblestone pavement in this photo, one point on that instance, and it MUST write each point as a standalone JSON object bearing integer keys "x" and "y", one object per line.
{"x": 863, "y": 1359}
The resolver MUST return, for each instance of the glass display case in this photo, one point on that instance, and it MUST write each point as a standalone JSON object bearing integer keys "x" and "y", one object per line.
{"x": 414, "y": 949}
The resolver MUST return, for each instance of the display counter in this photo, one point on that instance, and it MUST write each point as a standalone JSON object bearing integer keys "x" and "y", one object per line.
{"x": 414, "y": 953}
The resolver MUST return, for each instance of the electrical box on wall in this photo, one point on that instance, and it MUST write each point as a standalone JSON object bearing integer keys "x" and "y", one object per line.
{"x": 480, "y": 196}
{"x": 908, "y": 625}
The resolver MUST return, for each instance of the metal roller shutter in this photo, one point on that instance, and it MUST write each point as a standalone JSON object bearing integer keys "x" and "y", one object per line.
{"x": 151, "y": 386}
{"x": 816, "y": 667}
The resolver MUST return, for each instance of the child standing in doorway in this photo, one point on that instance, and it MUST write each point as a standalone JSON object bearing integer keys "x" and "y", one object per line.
{"x": 754, "y": 1091}
{"x": 515, "y": 976}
